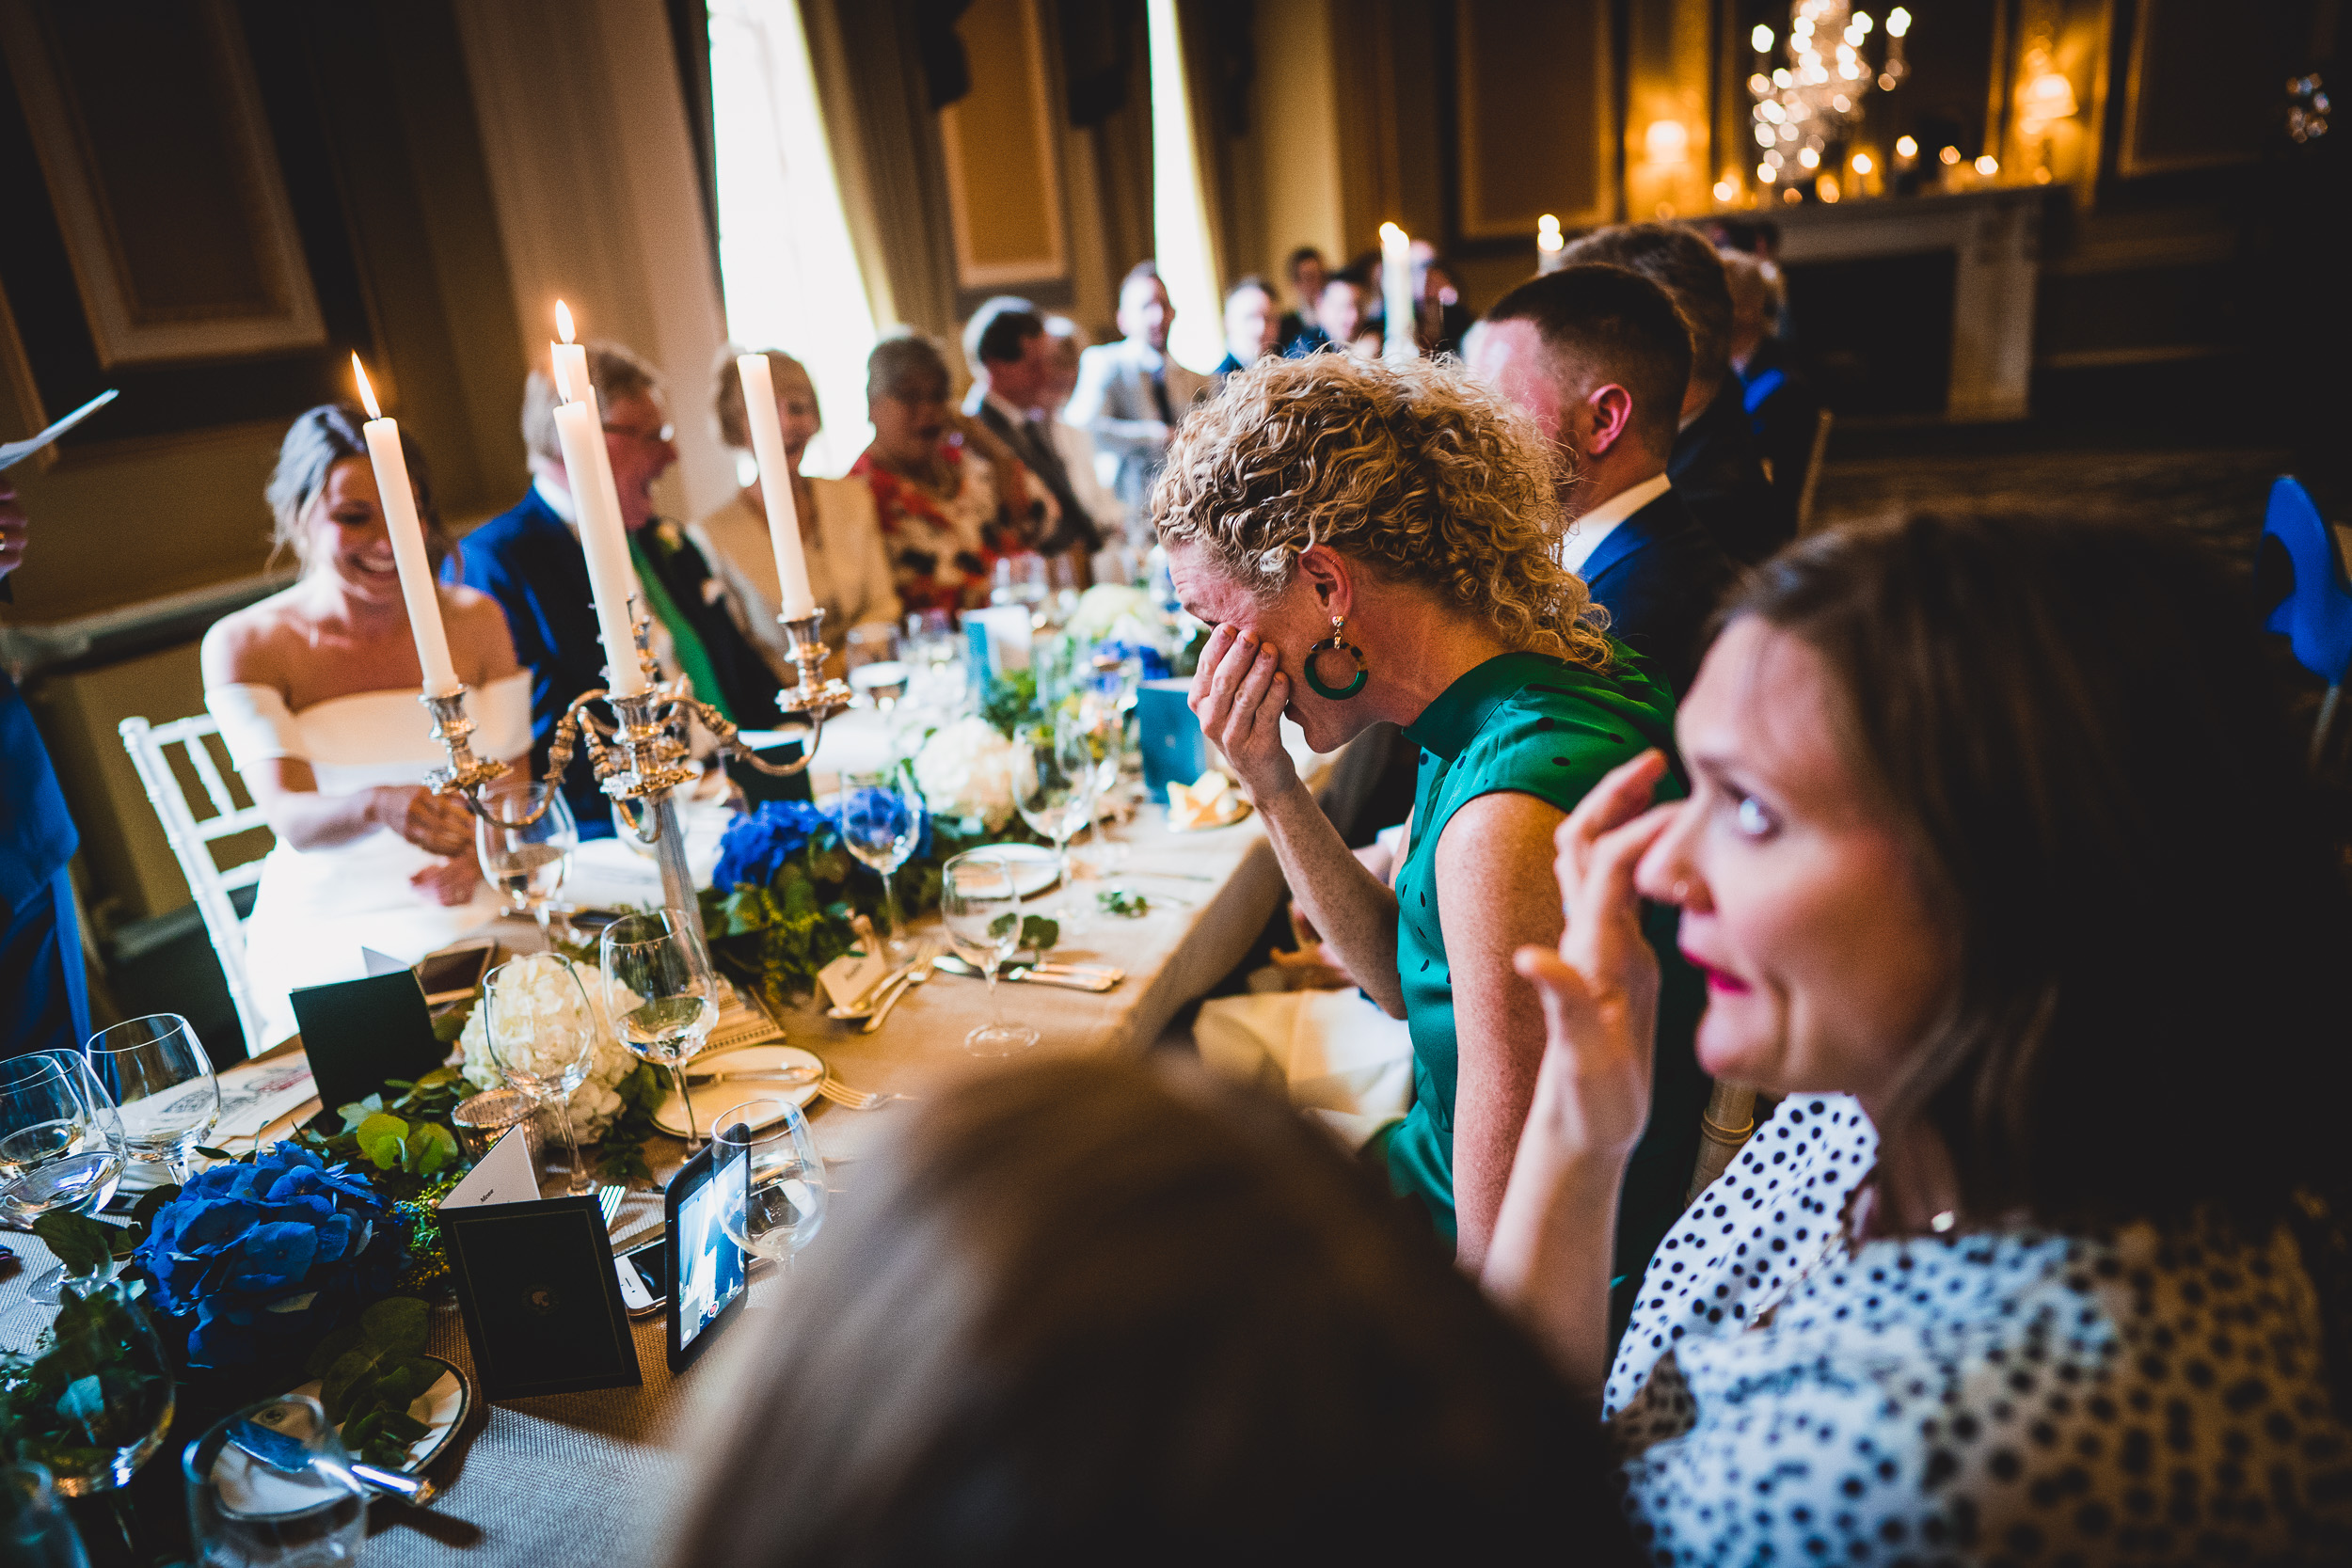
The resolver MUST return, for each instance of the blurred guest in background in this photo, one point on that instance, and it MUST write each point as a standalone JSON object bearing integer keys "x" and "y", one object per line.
{"x": 1172, "y": 1325}
{"x": 529, "y": 559}
{"x": 947, "y": 491}
{"x": 1131, "y": 395}
{"x": 44, "y": 989}
{"x": 841, "y": 542}
{"x": 1598, "y": 357}
{"x": 1341, "y": 320}
{"x": 1249, "y": 327}
{"x": 1714, "y": 463}
{"x": 1308, "y": 273}
{"x": 1065, "y": 345}
{"x": 1012, "y": 378}
{"x": 315, "y": 690}
{"x": 1441, "y": 320}
{"x": 1784, "y": 412}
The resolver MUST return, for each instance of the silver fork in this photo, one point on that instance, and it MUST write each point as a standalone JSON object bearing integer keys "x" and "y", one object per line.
{"x": 853, "y": 1099}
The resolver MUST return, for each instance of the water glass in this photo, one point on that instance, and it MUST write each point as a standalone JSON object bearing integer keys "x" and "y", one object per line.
{"x": 881, "y": 817}
{"x": 35, "y": 1528}
{"x": 1021, "y": 579}
{"x": 661, "y": 996}
{"x": 540, "y": 1033}
{"x": 299, "y": 1508}
{"x": 772, "y": 1177}
{"x": 157, "y": 1072}
{"x": 61, "y": 1144}
{"x": 527, "y": 864}
{"x": 1052, "y": 785}
{"x": 980, "y": 897}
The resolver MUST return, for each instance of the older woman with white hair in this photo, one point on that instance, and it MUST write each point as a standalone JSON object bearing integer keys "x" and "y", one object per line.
{"x": 1373, "y": 541}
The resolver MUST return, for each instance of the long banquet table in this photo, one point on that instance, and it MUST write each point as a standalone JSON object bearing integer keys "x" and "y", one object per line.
{"x": 587, "y": 1477}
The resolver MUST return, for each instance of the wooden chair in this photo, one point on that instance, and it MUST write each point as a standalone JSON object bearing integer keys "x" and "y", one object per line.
{"x": 192, "y": 840}
{"x": 1813, "y": 473}
{"x": 1728, "y": 1121}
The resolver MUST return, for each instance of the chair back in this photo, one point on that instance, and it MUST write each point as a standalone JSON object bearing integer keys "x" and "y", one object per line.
{"x": 192, "y": 837}
{"x": 1727, "y": 1124}
{"x": 1813, "y": 471}
{"x": 2313, "y": 611}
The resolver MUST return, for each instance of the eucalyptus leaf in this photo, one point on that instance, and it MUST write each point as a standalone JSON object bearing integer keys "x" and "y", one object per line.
{"x": 81, "y": 1244}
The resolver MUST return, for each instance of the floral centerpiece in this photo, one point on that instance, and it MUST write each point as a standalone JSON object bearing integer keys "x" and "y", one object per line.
{"x": 610, "y": 1090}
{"x": 965, "y": 769}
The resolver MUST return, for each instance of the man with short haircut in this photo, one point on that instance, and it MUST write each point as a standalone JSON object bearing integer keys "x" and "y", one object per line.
{"x": 1131, "y": 395}
{"x": 1784, "y": 412}
{"x": 1248, "y": 327}
{"x": 1012, "y": 376}
{"x": 1598, "y": 357}
{"x": 1307, "y": 271}
{"x": 1714, "y": 462}
{"x": 528, "y": 558}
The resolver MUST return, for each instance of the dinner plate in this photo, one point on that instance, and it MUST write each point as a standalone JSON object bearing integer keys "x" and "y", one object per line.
{"x": 711, "y": 1098}
{"x": 443, "y": 1409}
{"x": 1034, "y": 867}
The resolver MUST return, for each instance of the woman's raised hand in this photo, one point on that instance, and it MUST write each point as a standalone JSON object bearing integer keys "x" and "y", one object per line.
{"x": 438, "y": 824}
{"x": 1600, "y": 991}
{"x": 1238, "y": 693}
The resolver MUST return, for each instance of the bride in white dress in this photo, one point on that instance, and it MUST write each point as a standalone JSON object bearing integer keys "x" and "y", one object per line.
{"x": 315, "y": 690}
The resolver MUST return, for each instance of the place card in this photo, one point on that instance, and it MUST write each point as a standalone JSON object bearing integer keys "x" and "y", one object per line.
{"x": 359, "y": 1035}
{"x": 849, "y": 977}
{"x": 534, "y": 1282}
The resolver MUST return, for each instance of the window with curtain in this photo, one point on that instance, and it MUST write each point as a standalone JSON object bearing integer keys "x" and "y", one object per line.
{"x": 785, "y": 260}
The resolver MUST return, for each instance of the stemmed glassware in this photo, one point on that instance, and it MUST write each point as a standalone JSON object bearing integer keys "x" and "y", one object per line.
{"x": 870, "y": 654}
{"x": 301, "y": 1505}
{"x": 35, "y": 1528}
{"x": 528, "y": 865}
{"x": 541, "y": 1035}
{"x": 1103, "y": 721}
{"x": 980, "y": 897}
{"x": 159, "y": 1077}
{"x": 88, "y": 1396}
{"x": 881, "y": 817}
{"x": 774, "y": 1205}
{"x": 1021, "y": 579}
{"x": 662, "y": 995}
{"x": 1052, "y": 785}
{"x": 61, "y": 1144}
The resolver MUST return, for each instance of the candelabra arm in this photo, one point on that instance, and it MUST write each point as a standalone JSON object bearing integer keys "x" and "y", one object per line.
{"x": 808, "y": 704}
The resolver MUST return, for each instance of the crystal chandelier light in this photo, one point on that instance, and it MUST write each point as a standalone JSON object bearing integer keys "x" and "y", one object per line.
{"x": 1812, "y": 103}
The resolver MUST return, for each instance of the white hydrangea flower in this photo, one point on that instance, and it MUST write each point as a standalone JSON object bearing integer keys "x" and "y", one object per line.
{"x": 965, "y": 771}
{"x": 1116, "y": 612}
{"x": 595, "y": 1104}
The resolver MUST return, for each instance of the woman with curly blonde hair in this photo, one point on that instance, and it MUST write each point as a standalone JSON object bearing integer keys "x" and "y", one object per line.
{"x": 1375, "y": 542}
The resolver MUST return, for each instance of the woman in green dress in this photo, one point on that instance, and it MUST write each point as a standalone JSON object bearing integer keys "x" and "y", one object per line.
{"x": 1375, "y": 542}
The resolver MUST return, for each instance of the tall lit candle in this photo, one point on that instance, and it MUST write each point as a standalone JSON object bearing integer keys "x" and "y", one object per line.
{"x": 1397, "y": 292}
{"x": 775, "y": 485}
{"x": 596, "y": 502}
{"x": 399, "y": 502}
{"x": 1550, "y": 246}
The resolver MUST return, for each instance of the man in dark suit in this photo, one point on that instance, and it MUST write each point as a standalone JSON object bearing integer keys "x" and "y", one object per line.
{"x": 1714, "y": 462}
{"x": 1784, "y": 411}
{"x": 44, "y": 995}
{"x": 1012, "y": 372}
{"x": 530, "y": 560}
{"x": 1598, "y": 357}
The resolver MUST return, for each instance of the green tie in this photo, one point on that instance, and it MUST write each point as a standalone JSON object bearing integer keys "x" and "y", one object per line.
{"x": 692, "y": 656}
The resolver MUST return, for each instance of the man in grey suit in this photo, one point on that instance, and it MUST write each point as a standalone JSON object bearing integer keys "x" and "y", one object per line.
{"x": 1011, "y": 372}
{"x": 1131, "y": 395}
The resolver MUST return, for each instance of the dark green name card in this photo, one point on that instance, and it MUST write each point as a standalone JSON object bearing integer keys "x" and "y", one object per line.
{"x": 541, "y": 1302}
{"x": 361, "y": 1034}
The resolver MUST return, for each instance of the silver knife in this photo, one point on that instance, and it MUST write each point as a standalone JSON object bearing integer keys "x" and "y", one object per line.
{"x": 286, "y": 1454}
{"x": 773, "y": 1075}
{"x": 1023, "y": 975}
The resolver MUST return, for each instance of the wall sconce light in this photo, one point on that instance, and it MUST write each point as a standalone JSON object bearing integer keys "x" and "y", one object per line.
{"x": 1666, "y": 141}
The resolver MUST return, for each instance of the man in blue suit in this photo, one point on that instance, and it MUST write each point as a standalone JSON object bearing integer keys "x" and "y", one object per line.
{"x": 1599, "y": 357}
{"x": 45, "y": 995}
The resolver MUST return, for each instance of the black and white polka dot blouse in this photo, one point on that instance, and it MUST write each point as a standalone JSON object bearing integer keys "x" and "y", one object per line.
{"x": 1783, "y": 1395}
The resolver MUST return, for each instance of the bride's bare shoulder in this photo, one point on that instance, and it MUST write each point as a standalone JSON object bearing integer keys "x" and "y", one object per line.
{"x": 249, "y": 646}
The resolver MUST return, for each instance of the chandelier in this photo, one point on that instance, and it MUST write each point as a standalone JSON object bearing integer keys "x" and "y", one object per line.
{"x": 1812, "y": 103}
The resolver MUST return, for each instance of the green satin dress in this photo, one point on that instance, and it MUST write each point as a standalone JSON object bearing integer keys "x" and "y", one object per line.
{"x": 1536, "y": 725}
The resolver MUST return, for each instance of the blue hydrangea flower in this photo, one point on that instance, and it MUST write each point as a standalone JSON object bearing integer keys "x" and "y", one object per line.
{"x": 269, "y": 1253}
{"x": 758, "y": 843}
{"x": 1156, "y": 665}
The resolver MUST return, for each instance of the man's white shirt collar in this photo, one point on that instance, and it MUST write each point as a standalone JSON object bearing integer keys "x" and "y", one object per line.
{"x": 558, "y": 499}
{"x": 1585, "y": 534}
{"x": 1020, "y": 417}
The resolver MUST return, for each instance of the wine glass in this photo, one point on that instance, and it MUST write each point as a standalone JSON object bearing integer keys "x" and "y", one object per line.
{"x": 528, "y": 863}
{"x": 980, "y": 900}
{"x": 661, "y": 996}
{"x": 160, "y": 1078}
{"x": 1052, "y": 785}
{"x": 541, "y": 1035}
{"x": 1102, "y": 722}
{"x": 774, "y": 1205}
{"x": 35, "y": 1528}
{"x": 881, "y": 816}
{"x": 88, "y": 1396}
{"x": 300, "y": 1506}
{"x": 1020, "y": 579}
{"x": 61, "y": 1146}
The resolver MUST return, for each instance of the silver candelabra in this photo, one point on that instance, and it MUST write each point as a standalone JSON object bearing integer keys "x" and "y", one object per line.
{"x": 640, "y": 759}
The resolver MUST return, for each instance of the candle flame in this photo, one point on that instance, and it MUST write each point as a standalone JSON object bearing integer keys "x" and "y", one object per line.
{"x": 1391, "y": 234}
{"x": 367, "y": 393}
{"x": 564, "y": 320}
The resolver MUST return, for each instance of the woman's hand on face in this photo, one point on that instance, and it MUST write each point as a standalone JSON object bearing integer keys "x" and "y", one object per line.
{"x": 438, "y": 824}
{"x": 1600, "y": 991}
{"x": 1238, "y": 694}
{"x": 448, "y": 882}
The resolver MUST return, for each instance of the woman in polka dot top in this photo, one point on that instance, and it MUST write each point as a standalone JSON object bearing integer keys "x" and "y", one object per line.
{"x": 1999, "y": 864}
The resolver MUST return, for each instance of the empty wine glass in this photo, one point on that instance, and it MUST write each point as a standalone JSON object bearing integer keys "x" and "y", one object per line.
{"x": 772, "y": 1177}
{"x": 1020, "y": 579}
{"x": 1052, "y": 785}
{"x": 881, "y": 816}
{"x": 35, "y": 1529}
{"x": 61, "y": 1145}
{"x": 541, "y": 1033}
{"x": 527, "y": 864}
{"x": 980, "y": 900}
{"x": 88, "y": 1396}
{"x": 661, "y": 996}
{"x": 300, "y": 1507}
{"x": 161, "y": 1082}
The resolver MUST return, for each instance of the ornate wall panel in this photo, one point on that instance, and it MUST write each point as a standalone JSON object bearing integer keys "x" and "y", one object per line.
{"x": 1004, "y": 172}
{"x": 1535, "y": 115}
